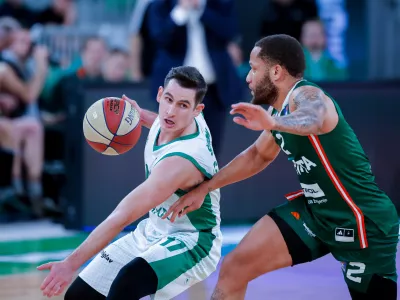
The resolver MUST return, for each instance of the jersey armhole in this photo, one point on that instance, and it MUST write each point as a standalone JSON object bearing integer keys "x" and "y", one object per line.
{"x": 189, "y": 158}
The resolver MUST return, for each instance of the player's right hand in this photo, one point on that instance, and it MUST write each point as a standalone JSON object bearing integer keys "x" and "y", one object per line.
{"x": 60, "y": 276}
{"x": 187, "y": 203}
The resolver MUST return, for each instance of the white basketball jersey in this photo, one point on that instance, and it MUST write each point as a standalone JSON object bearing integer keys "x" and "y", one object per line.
{"x": 196, "y": 148}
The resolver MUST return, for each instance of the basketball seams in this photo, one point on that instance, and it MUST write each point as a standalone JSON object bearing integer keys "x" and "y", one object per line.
{"x": 122, "y": 118}
{"x": 110, "y": 117}
{"x": 104, "y": 135}
{"x": 105, "y": 126}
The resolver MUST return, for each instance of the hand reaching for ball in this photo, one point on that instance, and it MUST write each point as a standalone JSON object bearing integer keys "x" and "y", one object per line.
{"x": 133, "y": 102}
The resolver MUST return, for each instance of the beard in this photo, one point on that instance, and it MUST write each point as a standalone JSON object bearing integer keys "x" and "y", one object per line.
{"x": 265, "y": 92}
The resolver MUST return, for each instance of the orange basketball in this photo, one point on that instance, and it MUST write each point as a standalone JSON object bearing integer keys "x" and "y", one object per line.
{"x": 112, "y": 126}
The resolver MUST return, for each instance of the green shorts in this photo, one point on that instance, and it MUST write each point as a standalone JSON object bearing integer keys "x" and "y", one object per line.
{"x": 358, "y": 265}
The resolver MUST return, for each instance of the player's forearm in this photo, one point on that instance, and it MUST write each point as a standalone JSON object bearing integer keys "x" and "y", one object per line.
{"x": 96, "y": 241}
{"x": 243, "y": 166}
{"x": 148, "y": 117}
{"x": 136, "y": 204}
{"x": 300, "y": 123}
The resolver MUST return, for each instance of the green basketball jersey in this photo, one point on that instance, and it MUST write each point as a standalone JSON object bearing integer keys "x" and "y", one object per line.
{"x": 336, "y": 179}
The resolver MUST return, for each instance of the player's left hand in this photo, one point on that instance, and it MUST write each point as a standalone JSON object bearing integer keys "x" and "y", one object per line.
{"x": 60, "y": 276}
{"x": 254, "y": 116}
{"x": 133, "y": 102}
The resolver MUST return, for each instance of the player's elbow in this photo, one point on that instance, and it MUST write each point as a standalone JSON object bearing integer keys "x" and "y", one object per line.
{"x": 259, "y": 157}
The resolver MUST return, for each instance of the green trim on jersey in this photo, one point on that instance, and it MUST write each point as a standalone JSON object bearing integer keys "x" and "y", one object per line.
{"x": 181, "y": 138}
{"x": 189, "y": 158}
{"x": 202, "y": 218}
{"x": 185, "y": 261}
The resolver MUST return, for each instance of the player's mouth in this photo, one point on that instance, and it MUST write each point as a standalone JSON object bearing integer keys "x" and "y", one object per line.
{"x": 251, "y": 91}
{"x": 169, "y": 123}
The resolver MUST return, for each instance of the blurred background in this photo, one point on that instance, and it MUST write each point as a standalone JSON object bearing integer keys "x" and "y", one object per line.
{"x": 57, "y": 57}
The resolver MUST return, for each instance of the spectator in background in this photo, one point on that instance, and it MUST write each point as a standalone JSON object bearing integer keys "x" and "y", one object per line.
{"x": 7, "y": 150}
{"x": 87, "y": 68}
{"x": 7, "y": 27}
{"x": 197, "y": 33}
{"x": 236, "y": 54}
{"x": 88, "y": 64}
{"x": 19, "y": 11}
{"x": 142, "y": 48}
{"x": 287, "y": 16}
{"x": 28, "y": 130}
{"x": 115, "y": 68}
{"x": 60, "y": 12}
{"x": 15, "y": 95}
{"x": 319, "y": 64}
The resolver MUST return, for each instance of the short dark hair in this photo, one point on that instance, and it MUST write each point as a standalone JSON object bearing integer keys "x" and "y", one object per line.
{"x": 283, "y": 50}
{"x": 188, "y": 77}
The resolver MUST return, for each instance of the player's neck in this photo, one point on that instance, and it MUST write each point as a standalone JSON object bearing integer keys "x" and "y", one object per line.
{"x": 168, "y": 136}
{"x": 283, "y": 91}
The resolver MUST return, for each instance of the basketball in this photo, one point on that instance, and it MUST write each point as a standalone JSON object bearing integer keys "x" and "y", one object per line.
{"x": 111, "y": 126}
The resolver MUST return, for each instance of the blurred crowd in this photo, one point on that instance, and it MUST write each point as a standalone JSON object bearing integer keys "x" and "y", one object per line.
{"x": 37, "y": 72}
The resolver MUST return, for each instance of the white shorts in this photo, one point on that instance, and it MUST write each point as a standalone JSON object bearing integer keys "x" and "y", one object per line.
{"x": 180, "y": 260}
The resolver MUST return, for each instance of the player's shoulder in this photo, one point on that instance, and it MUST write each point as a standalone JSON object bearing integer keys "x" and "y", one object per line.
{"x": 305, "y": 91}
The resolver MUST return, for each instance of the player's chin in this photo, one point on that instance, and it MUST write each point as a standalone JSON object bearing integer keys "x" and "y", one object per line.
{"x": 169, "y": 127}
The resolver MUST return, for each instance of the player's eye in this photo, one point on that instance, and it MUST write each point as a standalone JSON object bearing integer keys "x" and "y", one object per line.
{"x": 168, "y": 99}
{"x": 184, "y": 106}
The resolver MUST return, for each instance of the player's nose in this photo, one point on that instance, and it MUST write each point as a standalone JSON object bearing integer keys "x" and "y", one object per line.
{"x": 170, "y": 110}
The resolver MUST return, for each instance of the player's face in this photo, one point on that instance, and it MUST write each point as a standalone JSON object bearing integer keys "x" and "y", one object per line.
{"x": 177, "y": 106}
{"x": 262, "y": 88}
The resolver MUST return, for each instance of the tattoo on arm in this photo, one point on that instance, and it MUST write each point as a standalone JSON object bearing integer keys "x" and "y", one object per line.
{"x": 308, "y": 116}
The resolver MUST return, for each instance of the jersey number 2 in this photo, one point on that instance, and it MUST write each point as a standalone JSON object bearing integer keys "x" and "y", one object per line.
{"x": 350, "y": 272}
{"x": 280, "y": 137}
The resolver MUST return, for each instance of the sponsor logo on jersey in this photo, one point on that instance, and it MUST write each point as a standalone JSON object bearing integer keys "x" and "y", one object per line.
{"x": 296, "y": 215}
{"x": 106, "y": 256}
{"x": 317, "y": 201}
{"x": 308, "y": 230}
{"x": 159, "y": 211}
{"x": 344, "y": 235}
{"x": 312, "y": 190}
{"x": 303, "y": 165}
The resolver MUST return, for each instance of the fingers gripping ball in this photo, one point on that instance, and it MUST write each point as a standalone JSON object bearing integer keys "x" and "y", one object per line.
{"x": 112, "y": 126}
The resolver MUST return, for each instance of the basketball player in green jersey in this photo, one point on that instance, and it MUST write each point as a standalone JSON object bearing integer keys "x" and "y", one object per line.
{"x": 159, "y": 258}
{"x": 339, "y": 208}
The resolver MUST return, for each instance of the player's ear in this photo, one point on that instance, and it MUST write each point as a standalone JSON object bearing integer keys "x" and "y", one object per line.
{"x": 276, "y": 72}
{"x": 159, "y": 93}
{"x": 199, "y": 108}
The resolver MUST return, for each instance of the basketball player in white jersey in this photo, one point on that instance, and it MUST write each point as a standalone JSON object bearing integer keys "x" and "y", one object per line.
{"x": 159, "y": 258}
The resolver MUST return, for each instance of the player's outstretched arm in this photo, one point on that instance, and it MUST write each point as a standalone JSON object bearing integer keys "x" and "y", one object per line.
{"x": 147, "y": 117}
{"x": 248, "y": 163}
{"x": 312, "y": 112}
{"x": 171, "y": 174}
